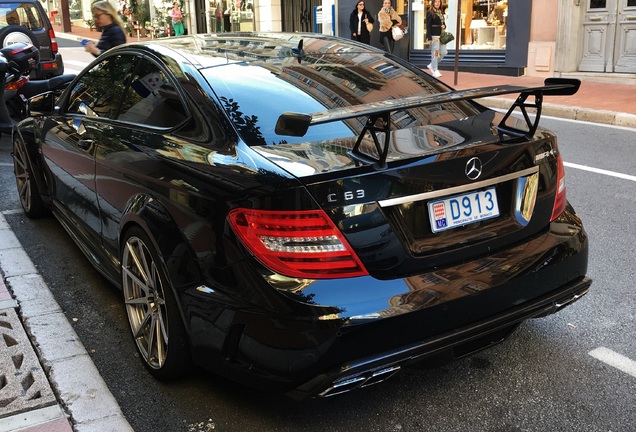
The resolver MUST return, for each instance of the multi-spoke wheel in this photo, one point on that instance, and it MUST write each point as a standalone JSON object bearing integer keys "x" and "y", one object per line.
{"x": 30, "y": 198}
{"x": 152, "y": 310}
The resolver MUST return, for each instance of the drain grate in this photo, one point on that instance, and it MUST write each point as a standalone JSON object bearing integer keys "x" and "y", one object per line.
{"x": 23, "y": 383}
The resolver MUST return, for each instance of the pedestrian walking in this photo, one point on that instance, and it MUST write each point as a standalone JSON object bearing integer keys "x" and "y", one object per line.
{"x": 361, "y": 23}
{"x": 435, "y": 25}
{"x": 387, "y": 17}
{"x": 112, "y": 27}
{"x": 177, "y": 19}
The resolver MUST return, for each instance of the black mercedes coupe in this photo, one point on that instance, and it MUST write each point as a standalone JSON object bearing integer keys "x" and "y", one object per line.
{"x": 302, "y": 213}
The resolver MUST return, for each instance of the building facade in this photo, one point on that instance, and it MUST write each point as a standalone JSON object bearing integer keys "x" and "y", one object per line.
{"x": 506, "y": 37}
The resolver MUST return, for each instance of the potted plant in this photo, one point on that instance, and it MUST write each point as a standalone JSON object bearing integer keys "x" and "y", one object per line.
{"x": 90, "y": 23}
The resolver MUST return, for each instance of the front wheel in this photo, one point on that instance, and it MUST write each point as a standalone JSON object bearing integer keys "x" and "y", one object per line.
{"x": 152, "y": 310}
{"x": 28, "y": 191}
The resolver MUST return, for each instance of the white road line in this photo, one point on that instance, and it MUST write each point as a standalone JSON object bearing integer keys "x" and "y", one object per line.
{"x": 615, "y": 359}
{"x": 10, "y": 212}
{"x": 600, "y": 171}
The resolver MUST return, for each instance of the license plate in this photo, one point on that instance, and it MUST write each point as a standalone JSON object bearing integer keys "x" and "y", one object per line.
{"x": 463, "y": 209}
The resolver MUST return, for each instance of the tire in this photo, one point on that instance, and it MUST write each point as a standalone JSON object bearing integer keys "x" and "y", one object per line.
{"x": 15, "y": 33}
{"x": 152, "y": 310}
{"x": 28, "y": 191}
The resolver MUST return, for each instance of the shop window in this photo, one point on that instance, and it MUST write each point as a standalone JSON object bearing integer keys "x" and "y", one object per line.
{"x": 238, "y": 15}
{"x": 482, "y": 24}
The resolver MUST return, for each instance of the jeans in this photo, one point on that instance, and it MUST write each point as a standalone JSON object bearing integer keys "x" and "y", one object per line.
{"x": 438, "y": 51}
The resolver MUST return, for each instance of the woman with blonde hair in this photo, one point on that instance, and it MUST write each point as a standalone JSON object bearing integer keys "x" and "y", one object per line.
{"x": 387, "y": 17}
{"x": 108, "y": 20}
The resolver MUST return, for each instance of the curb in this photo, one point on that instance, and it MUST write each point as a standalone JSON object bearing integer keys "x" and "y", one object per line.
{"x": 69, "y": 367}
{"x": 571, "y": 112}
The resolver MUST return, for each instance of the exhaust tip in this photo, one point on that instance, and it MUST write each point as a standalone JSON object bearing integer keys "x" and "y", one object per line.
{"x": 363, "y": 380}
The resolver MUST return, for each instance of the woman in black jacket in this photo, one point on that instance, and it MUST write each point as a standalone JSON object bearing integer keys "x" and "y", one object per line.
{"x": 108, "y": 20}
{"x": 435, "y": 25}
{"x": 358, "y": 23}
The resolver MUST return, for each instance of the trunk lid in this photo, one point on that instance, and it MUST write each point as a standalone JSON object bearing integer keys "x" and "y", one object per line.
{"x": 385, "y": 213}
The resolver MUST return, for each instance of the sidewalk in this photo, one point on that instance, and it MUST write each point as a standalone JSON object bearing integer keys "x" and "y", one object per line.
{"x": 59, "y": 389}
{"x": 597, "y": 100}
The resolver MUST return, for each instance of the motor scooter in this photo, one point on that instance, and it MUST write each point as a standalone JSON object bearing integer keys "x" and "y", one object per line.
{"x": 16, "y": 62}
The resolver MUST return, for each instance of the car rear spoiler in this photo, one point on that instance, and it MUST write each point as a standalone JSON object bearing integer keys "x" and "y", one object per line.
{"x": 297, "y": 124}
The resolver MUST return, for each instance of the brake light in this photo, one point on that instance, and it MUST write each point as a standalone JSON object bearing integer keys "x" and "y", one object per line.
{"x": 559, "y": 199}
{"x": 303, "y": 244}
{"x": 53, "y": 41}
{"x": 15, "y": 85}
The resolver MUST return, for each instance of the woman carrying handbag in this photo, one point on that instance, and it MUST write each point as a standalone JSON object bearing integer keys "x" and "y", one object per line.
{"x": 387, "y": 17}
{"x": 435, "y": 25}
{"x": 361, "y": 24}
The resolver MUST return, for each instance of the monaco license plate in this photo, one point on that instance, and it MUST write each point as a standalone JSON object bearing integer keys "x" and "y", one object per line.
{"x": 463, "y": 209}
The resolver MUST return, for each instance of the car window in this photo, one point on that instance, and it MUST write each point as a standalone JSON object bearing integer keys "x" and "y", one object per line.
{"x": 151, "y": 98}
{"x": 100, "y": 90}
{"x": 22, "y": 14}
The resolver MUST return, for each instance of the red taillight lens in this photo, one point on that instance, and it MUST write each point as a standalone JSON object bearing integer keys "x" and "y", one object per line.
{"x": 53, "y": 41}
{"x": 15, "y": 85}
{"x": 303, "y": 244}
{"x": 559, "y": 198}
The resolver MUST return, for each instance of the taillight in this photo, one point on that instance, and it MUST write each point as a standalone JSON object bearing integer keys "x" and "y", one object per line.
{"x": 559, "y": 198}
{"x": 303, "y": 244}
{"x": 15, "y": 85}
{"x": 53, "y": 41}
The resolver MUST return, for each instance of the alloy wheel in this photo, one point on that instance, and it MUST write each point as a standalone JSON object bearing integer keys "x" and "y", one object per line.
{"x": 27, "y": 188}
{"x": 22, "y": 176}
{"x": 145, "y": 302}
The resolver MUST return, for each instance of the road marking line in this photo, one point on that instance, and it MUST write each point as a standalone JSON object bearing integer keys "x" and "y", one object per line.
{"x": 615, "y": 359}
{"x": 10, "y": 212}
{"x": 600, "y": 171}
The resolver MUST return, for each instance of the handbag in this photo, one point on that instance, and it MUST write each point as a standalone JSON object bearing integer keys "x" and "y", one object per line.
{"x": 446, "y": 37}
{"x": 369, "y": 26}
{"x": 397, "y": 33}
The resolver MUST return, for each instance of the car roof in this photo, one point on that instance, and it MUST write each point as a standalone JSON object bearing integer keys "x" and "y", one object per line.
{"x": 214, "y": 50}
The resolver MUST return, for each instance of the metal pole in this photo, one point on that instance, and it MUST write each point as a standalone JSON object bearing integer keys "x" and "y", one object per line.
{"x": 458, "y": 30}
{"x": 65, "y": 20}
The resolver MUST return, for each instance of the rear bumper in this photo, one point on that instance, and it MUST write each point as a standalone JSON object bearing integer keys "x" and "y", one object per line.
{"x": 332, "y": 336}
{"x": 49, "y": 68}
{"x": 449, "y": 346}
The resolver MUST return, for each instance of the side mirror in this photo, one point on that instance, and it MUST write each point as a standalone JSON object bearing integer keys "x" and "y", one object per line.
{"x": 42, "y": 104}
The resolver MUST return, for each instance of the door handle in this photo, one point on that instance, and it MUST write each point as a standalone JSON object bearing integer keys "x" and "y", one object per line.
{"x": 85, "y": 144}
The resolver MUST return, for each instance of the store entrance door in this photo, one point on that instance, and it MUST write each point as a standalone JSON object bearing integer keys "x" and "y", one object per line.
{"x": 609, "y": 36}
{"x": 201, "y": 16}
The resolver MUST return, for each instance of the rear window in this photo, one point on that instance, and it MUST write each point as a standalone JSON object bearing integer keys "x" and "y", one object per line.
{"x": 255, "y": 94}
{"x": 22, "y": 14}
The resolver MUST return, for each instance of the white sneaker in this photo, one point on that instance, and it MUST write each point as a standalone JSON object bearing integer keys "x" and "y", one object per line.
{"x": 437, "y": 74}
{"x": 430, "y": 67}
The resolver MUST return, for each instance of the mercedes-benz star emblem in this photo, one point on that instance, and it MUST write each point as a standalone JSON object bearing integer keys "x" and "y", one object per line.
{"x": 473, "y": 168}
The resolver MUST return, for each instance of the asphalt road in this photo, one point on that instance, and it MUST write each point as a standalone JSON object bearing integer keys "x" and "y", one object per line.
{"x": 542, "y": 379}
